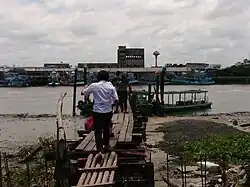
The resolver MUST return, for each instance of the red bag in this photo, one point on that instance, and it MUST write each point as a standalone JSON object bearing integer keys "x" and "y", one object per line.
{"x": 89, "y": 124}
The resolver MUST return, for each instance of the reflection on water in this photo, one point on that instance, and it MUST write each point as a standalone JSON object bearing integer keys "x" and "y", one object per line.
{"x": 40, "y": 100}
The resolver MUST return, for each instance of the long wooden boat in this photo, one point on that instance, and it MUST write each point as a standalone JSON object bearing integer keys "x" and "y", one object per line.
{"x": 177, "y": 101}
{"x": 187, "y": 100}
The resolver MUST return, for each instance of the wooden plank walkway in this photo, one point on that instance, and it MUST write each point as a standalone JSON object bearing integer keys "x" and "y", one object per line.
{"x": 98, "y": 170}
{"x": 86, "y": 141}
{"x": 122, "y": 128}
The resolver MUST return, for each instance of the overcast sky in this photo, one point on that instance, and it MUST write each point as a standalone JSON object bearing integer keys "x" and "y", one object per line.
{"x": 37, "y": 31}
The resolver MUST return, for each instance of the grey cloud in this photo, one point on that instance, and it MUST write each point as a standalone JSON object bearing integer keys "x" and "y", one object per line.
{"x": 54, "y": 30}
{"x": 84, "y": 30}
{"x": 228, "y": 8}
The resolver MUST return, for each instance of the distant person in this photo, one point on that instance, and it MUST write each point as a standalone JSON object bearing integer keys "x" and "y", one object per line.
{"x": 104, "y": 95}
{"x": 115, "y": 82}
{"x": 122, "y": 90}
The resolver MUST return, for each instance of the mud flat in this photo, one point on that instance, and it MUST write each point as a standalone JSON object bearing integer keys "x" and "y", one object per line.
{"x": 18, "y": 130}
{"x": 174, "y": 130}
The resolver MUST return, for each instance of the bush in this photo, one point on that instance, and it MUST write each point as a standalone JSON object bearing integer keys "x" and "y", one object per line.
{"x": 18, "y": 172}
{"x": 231, "y": 148}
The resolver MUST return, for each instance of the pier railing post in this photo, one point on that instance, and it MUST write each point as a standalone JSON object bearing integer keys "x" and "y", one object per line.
{"x": 162, "y": 87}
{"x": 85, "y": 74}
{"x": 85, "y": 79}
{"x": 157, "y": 88}
{"x": 74, "y": 92}
{"x": 149, "y": 92}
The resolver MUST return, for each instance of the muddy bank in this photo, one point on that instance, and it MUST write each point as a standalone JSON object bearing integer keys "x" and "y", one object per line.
{"x": 177, "y": 133}
{"x": 24, "y": 128}
{"x": 16, "y": 132}
{"x": 27, "y": 115}
{"x": 187, "y": 131}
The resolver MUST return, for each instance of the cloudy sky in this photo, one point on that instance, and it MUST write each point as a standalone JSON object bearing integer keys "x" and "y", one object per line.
{"x": 37, "y": 31}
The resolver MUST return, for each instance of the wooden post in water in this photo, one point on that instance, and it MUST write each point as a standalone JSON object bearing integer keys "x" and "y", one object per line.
{"x": 157, "y": 88}
{"x": 85, "y": 74}
{"x": 162, "y": 87}
{"x": 149, "y": 92}
{"x": 86, "y": 99}
{"x": 74, "y": 93}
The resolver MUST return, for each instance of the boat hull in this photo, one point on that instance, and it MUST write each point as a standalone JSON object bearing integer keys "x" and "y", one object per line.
{"x": 16, "y": 85}
{"x": 182, "y": 108}
{"x": 53, "y": 84}
{"x": 175, "y": 82}
{"x": 133, "y": 82}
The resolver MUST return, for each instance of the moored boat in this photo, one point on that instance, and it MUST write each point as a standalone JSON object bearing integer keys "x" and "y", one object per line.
{"x": 177, "y": 101}
{"x": 186, "y": 100}
{"x": 12, "y": 79}
{"x": 193, "y": 78}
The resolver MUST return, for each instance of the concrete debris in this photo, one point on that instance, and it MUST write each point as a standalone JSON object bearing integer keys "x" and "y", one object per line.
{"x": 210, "y": 166}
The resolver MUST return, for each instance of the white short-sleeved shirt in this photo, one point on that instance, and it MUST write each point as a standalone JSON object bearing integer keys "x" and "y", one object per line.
{"x": 104, "y": 96}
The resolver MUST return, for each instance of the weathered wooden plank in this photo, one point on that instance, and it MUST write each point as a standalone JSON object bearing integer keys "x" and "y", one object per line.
{"x": 120, "y": 118}
{"x": 59, "y": 119}
{"x": 112, "y": 173}
{"x": 83, "y": 176}
{"x": 100, "y": 185}
{"x": 100, "y": 175}
{"x": 116, "y": 130}
{"x": 96, "y": 172}
{"x": 123, "y": 132}
{"x": 106, "y": 174}
{"x": 114, "y": 118}
{"x": 89, "y": 174}
{"x": 129, "y": 132}
{"x": 99, "y": 168}
{"x": 91, "y": 145}
{"x": 85, "y": 142}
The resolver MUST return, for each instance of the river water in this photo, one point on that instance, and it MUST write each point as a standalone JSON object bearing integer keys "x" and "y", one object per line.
{"x": 42, "y": 100}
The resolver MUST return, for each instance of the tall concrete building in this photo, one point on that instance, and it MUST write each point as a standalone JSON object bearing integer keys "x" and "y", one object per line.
{"x": 130, "y": 57}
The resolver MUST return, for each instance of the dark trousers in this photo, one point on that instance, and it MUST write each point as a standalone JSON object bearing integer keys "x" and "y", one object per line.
{"x": 102, "y": 129}
{"x": 123, "y": 100}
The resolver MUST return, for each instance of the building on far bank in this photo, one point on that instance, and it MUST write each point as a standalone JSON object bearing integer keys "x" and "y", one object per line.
{"x": 197, "y": 66}
{"x": 130, "y": 57}
{"x": 126, "y": 58}
{"x": 98, "y": 65}
{"x": 57, "y": 65}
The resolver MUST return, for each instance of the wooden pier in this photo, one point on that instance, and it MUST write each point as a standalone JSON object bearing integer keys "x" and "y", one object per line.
{"x": 127, "y": 165}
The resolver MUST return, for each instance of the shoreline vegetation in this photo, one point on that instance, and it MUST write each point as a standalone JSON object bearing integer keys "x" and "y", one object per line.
{"x": 191, "y": 138}
{"x": 27, "y": 166}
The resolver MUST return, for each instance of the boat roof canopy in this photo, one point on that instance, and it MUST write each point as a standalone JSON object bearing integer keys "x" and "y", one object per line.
{"x": 186, "y": 92}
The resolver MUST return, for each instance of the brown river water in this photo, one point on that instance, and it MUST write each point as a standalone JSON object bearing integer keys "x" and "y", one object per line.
{"x": 16, "y": 131}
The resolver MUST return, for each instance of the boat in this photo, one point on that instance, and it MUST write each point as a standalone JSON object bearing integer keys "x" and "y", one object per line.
{"x": 132, "y": 79}
{"x": 192, "y": 78}
{"x": 53, "y": 83}
{"x": 12, "y": 79}
{"x": 175, "y": 101}
{"x": 54, "y": 79}
{"x": 186, "y": 101}
{"x": 78, "y": 83}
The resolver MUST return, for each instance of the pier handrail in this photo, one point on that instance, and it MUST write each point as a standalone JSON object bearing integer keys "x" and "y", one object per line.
{"x": 59, "y": 118}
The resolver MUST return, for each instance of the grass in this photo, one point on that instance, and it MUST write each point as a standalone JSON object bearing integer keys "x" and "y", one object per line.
{"x": 18, "y": 172}
{"x": 235, "y": 149}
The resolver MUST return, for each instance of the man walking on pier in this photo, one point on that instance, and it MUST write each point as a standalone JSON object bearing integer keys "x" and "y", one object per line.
{"x": 122, "y": 89}
{"x": 104, "y": 95}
